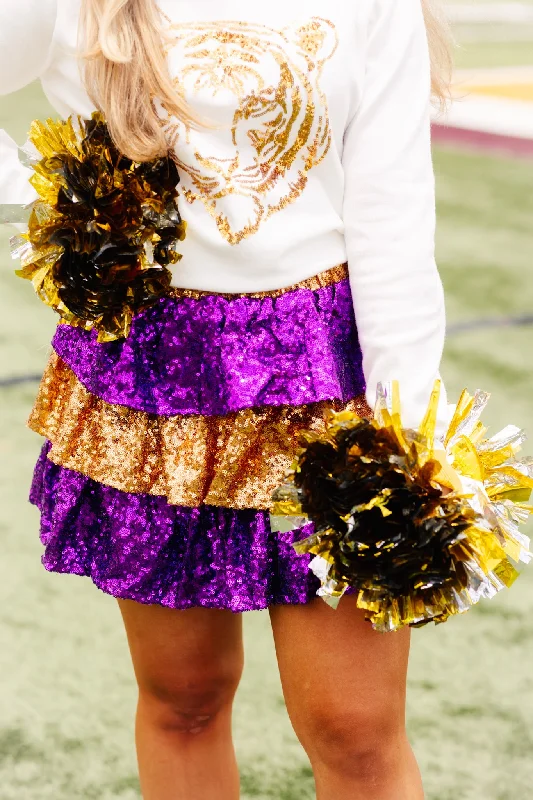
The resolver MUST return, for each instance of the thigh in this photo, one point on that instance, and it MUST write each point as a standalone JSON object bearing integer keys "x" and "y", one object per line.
{"x": 175, "y": 651}
{"x": 336, "y": 671}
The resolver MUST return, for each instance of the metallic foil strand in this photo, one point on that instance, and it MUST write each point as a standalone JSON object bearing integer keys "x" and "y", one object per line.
{"x": 104, "y": 229}
{"x": 420, "y": 530}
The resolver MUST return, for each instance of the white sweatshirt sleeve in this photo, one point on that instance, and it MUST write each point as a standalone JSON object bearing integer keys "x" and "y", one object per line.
{"x": 389, "y": 212}
{"x": 26, "y": 34}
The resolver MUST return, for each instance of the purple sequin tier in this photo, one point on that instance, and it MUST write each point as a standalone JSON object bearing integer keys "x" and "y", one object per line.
{"x": 206, "y": 355}
{"x": 138, "y": 547}
{"x": 213, "y": 355}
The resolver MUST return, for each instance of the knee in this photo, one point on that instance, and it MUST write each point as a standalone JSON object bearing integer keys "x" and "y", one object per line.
{"x": 364, "y": 745}
{"x": 189, "y": 702}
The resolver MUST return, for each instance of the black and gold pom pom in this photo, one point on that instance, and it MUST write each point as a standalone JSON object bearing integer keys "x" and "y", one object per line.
{"x": 417, "y": 530}
{"x": 104, "y": 229}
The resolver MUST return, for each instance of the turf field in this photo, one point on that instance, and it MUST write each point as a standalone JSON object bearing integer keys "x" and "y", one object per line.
{"x": 488, "y": 38}
{"x": 67, "y": 693}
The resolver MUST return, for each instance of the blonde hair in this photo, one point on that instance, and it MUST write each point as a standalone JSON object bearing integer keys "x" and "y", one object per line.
{"x": 439, "y": 39}
{"x": 125, "y": 68}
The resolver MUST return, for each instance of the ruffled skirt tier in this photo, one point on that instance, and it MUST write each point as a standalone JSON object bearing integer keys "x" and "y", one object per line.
{"x": 163, "y": 450}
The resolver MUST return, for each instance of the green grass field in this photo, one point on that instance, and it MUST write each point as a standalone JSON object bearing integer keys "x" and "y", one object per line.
{"x": 491, "y": 52}
{"x": 67, "y": 693}
{"x": 491, "y": 44}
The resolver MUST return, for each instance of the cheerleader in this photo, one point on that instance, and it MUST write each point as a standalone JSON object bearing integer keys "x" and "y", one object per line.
{"x": 301, "y": 136}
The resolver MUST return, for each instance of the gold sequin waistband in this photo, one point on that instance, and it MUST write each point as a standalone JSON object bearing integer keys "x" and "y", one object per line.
{"x": 327, "y": 278}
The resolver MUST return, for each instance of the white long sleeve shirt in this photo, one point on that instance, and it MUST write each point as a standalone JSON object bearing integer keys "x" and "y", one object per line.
{"x": 322, "y": 155}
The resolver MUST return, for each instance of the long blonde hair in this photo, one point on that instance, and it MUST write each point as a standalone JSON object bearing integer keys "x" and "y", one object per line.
{"x": 125, "y": 68}
{"x": 440, "y": 50}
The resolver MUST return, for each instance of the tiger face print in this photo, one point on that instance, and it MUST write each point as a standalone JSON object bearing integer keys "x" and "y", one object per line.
{"x": 260, "y": 88}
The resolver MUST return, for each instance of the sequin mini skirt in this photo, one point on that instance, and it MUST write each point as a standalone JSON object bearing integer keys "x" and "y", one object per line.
{"x": 162, "y": 450}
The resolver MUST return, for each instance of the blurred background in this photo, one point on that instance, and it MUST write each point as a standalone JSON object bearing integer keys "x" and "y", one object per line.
{"x": 67, "y": 694}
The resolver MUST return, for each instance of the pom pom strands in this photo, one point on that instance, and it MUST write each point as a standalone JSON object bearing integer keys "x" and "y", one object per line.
{"x": 419, "y": 530}
{"x": 104, "y": 229}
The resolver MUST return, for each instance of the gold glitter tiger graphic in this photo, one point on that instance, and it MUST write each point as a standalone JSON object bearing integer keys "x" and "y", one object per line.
{"x": 273, "y": 113}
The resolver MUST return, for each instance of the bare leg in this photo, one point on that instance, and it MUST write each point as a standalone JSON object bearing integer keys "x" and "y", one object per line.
{"x": 344, "y": 686}
{"x": 188, "y": 666}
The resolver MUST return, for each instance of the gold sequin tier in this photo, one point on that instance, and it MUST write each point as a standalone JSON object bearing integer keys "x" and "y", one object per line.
{"x": 234, "y": 461}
